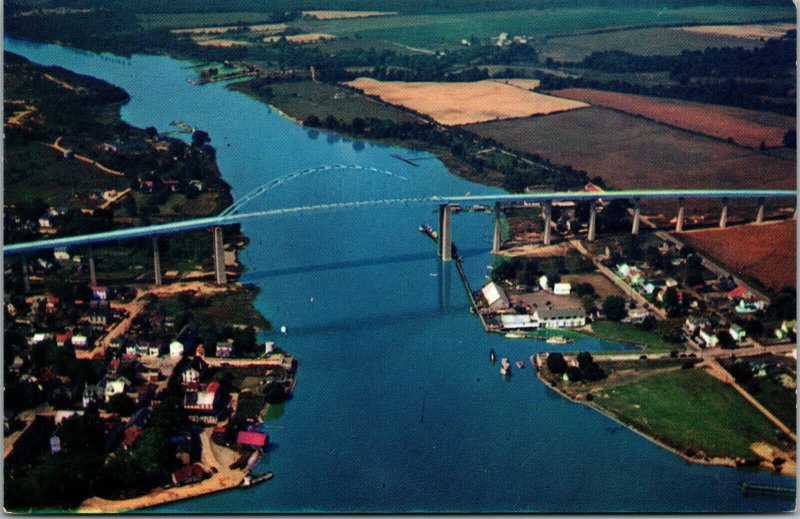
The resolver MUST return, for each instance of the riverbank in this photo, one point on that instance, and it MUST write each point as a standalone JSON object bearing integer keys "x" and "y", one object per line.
{"x": 751, "y": 453}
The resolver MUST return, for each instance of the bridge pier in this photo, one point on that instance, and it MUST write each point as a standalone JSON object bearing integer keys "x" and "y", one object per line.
{"x": 156, "y": 262}
{"x": 548, "y": 220}
{"x": 219, "y": 257}
{"x": 760, "y": 213}
{"x": 26, "y": 279}
{"x": 592, "y": 221}
{"x": 723, "y": 218}
{"x": 637, "y": 212}
{"x": 679, "y": 222}
{"x": 497, "y": 237}
{"x": 92, "y": 271}
{"x": 445, "y": 236}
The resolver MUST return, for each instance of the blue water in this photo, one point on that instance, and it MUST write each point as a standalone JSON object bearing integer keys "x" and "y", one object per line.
{"x": 397, "y": 407}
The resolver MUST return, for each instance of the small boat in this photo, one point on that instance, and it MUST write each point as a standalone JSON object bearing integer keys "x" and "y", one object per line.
{"x": 254, "y": 479}
{"x": 492, "y": 356}
{"x": 558, "y": 340}
{"x": 426, "y": 229}
{"x": 506, "y": 372}
{"x": 516, "y": 335}
{"x": 520, "y": 364}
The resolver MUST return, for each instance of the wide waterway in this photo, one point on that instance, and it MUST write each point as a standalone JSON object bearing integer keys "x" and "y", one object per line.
{"x": 397, "y": 407}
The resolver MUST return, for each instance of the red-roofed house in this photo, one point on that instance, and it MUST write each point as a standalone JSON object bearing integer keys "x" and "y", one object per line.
{"x": 130, "y": 436}
{"x": 62, "y": 338}
{"x": 188, "y": 474}
{"x": 738, "y": 292}
{"x": 255, "y": 439}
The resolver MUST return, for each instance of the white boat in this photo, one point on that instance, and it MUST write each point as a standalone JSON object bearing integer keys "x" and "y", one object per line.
{"x": 558, "y": 340}
{"x": 516, "y": 335}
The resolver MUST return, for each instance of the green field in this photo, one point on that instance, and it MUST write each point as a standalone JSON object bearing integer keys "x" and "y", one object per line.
{"x": 36, "y": 171}
{"x": 191, "y": 20}
{"x": 225, "y": 309}
{"x": 299, "y": 99}
{"x": 654, "y": 41}
{"x": 628, "y": 333}
{"x": 688, "y": 409}
{"x": 441, "y": 30}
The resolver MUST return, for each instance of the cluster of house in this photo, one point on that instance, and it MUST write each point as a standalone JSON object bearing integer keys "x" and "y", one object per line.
{"x": 152, "y": 185}
{"x": 704, "y": 333}
{"x": 544, "y": 308}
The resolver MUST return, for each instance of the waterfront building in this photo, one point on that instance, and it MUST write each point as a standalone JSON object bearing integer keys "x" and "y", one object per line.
{"x": 564, "y": 317}
{"x": 495, "y": 297}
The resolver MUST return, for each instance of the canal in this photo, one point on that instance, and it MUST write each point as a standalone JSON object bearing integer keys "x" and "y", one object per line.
{"x": 397, "y": 407}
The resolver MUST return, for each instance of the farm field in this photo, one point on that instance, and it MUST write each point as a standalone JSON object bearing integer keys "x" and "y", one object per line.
{"x": 301, "y": 38}
{"x": 300, "y": 99}
{"x": 437, "y": 30}
{"x": 464, "y": 103}
{"x": 629, "y": 152}
{"x": 602, "y": 285}
{"x": 644, "y": 42}
{"x": 758, "y": 32}
{"x": 335, "y": 15}
{"x": 190, "y": 20}
{"x": 747, "y": 127}
{"x": 766, "y": 253}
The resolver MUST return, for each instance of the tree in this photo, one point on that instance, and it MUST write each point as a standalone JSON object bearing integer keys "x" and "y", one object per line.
{"x": 359, "y": 125}
{"x": 670, "y": 299}
{"x": 726, "y": 340}
{"x": 121, "y": 404}
{"x": 199, "y": 138}
{"x": 574, "y": 374}
{"x": 790, "y": 139}
{"x": 556, "y": 363}
{"x": 614, "y": 307}
{"x": 742, "y": 372}
{"x": 312, "y": 121}
{"x": 584, "y": 359}
{"x": 593, "y": 372}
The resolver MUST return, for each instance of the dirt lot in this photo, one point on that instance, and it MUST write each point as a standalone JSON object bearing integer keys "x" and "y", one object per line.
{"x": 630, "y": 152}
{"x": 465, "y": 103}
{"x": 749, "y": 32}
{"x": 602, "y": 285}
{"x": 747, "y": 127}
{"x": 767, "y": 253}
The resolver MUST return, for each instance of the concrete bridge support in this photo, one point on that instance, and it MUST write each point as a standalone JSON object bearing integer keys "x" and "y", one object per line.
{"x": 760, "y": 214}
{"x": 679, "y": 222}
{"x": 26, "y": 278}
{"x": 548, "y": 220}
{"x": 92, "y": 271}
{"x": 219, "y": 257}
{"x": 637, "y": 213}
{"x": 723, "y": 218}
{"x": 445, "y": 229}
{"x": 592, "y": 221}
{"x": 156, "y": 262}
{"x": 497, "y": 237}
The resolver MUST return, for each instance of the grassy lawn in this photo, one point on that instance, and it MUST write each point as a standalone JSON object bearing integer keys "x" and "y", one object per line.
{"x": 225, "y": 309}
{"x": 688, "y": 409}
{"x": 299, "y": 99}
{"x": 36, "y": 171}
{"x": 628, "y": 333}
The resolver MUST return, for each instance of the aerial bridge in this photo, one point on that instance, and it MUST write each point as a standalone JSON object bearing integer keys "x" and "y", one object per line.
{"x": 235, "y": 214}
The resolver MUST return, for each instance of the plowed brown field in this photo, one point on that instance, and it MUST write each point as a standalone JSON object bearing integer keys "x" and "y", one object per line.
{"x": 747, "y": 127}
{"x": 767, "y": 253}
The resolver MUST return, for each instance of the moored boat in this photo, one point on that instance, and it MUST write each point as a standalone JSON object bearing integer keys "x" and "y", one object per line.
{"x": 558, "y": 340}
{"x": 520, "y": 364}
{"x": 253, "y": 479}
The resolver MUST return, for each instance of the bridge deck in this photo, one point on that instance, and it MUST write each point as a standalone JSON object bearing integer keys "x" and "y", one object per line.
{"x": 230, "y": 219}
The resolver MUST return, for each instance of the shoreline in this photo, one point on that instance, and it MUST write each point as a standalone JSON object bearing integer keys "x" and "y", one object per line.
{"x": 720, "y": 461}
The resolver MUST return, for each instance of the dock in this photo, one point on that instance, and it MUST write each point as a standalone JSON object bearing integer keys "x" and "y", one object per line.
{"x": 404, "y": 159}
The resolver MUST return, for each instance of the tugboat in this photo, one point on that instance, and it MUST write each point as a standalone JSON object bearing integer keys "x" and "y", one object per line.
{"x": 492, "y": 356}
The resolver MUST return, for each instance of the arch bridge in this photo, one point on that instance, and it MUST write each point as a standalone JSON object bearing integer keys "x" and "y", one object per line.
{"x": 445, "y": 203}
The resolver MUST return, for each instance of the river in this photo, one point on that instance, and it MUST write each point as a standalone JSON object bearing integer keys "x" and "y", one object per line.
{"x": 397, "y": 407}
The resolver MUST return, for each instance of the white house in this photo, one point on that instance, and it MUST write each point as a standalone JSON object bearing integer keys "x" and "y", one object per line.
{"x": 80, "y": 341}
{"x": 560, "y": 317}
{"x": 115, "y": 387}
{"x": 495, "y": 296}
{"x": 562, "y": 289}
{"x": 543, "y": 282}
{"x": 737, "y": 332}
{"x": 176, "y": 349}
{"x": 709, "y": 339}
{"x": 518, "y": 321}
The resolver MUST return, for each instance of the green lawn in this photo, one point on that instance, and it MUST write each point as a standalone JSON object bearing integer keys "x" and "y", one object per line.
{"x": 224, "y": 309}
{"x": 299, "y": 99}
{"x": 628, "y": 333}
{"x": 688, "y": 409}
{"x": 441, "y": 30}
